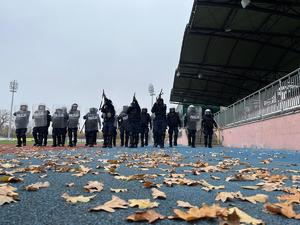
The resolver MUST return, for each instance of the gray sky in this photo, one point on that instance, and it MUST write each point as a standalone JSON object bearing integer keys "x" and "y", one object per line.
{"x": 65, "y": 51}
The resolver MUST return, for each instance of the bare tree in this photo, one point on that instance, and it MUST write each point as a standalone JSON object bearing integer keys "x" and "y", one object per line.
{"x": 4, "y": 118}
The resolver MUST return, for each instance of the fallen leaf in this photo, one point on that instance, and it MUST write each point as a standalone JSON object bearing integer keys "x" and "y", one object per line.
{"x": 9, "y": 179}
{"x": 215, "y": 177}
{"x": 294, "y": 198}
{"x": 8, "y": 190}
{"x": 118, "y": 190}
{"x": 37, "y": 186}
{"x": 250, "y": 187}
{"x": 4, "y": 199}
{"x": 148, "y": 184}
{"x": 205, "y": 211}
{"x": 158, "y": 194}
{"x": 7, "y": 194}
{"x": 184, "y": 204}
{"x": 224, "y": 196}
{"x": 94, "y": 186}
{"x": 110, "y": 206}
{"x": 244, "y": 217}
{"x": 150, "y": 216}
{"x": 79, "y": 198}
{"x": 242, "y": 177}
{"x": 257, "y": 198}
{"x": 284, "y": 209}
{"x": 209, "y": 187}
{"x": 232, "y": 219}
{"x": 70, "y": 185}
{"x": 142, "y": 203}
{"x": 82, "y": 171}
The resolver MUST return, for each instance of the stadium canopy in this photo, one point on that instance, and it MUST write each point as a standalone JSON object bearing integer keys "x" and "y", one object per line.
{"x": 230, "y": 50}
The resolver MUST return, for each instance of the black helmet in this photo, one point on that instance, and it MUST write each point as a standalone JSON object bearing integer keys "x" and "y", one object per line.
{"x": 74, "y": 106}
{"x": 172, "y": 110}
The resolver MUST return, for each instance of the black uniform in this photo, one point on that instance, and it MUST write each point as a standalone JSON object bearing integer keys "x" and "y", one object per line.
{"x": 159, "y": 122}
{"x": 190, "y": 122}
{"x": 21, "y": 123}
{"x": 145, "y": 123}
{"x": 73, "y": 123}
{"x": 65, "y": 125}
{"x": 92, "y": 124}
{"x": 174, "y": 122}
{"x": 123, "y": 126}
{"x": 42, "y": 120}
{"x": 134, "y": 120}
{"x": 58, "y": 127}
{"x": 46, "y": 129}
{"x": 207, "y": 125}
{"x": 108, "y": 115}
{"x": 114, "y": 135}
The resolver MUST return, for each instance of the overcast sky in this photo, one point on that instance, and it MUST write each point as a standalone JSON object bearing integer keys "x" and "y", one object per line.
{"x": 65, "y": 51}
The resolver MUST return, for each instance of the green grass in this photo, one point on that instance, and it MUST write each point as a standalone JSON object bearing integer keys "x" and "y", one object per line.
{"x": 5, "y": 142}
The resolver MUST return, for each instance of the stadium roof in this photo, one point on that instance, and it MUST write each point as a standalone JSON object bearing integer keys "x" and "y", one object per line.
{"x": 229, "y": 51}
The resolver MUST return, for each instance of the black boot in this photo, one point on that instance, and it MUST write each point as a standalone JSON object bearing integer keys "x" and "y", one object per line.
{"x": 19, "y": 142}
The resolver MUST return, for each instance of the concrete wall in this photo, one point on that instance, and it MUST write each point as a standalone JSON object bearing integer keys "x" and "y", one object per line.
{"x": 282, "y": 132}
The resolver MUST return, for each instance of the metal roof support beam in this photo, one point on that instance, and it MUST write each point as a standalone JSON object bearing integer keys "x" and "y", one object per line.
{"x": 197, "y": 65}
{"x": 248, "y": 32}
{"x": 249, "y": 7}
{"x": 217, "y": 82}
{"x": 244, "y": 39}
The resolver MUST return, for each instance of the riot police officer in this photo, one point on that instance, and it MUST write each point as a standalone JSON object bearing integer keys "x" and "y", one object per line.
{"x": 58, "y": 130}
{"x": 190, "y": 122}
{"x": 73, "y": 122}
{"x": 108, "y": 115}
{"x": 92, "y": 126}
{"x": 123, "y": 126}
{"x": 41, "y": 119}
{"x": 134, "y": 120}
{"x": 146, "y": 121}
{"x": 159, "y": 122}
{"x": 174, "y": 122}
{"x": 21, "y": 123}
{"x": 207, "y": 126}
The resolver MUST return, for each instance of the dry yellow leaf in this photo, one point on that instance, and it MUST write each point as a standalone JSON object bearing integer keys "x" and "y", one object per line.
{"x": 284, "y": 209}
{"x": 244, "y": 217}
{"x": 10, "y": 179}
{"x": 205, "y": 211}
{"x": 6, "y": 199}
{"x": 79, "y": 198}
{"x": 94, "y": 186}
{"x": 256, "y": 198}
{"x": 118, "y": 190}
{"x": 158, "y": 194}
{"x": 110, "y": 206}
{"x": 150, "y": 216}
{"x": 37, "y": 186}
{"x": 184, "y": 204}
{"x": 142, "y": 203}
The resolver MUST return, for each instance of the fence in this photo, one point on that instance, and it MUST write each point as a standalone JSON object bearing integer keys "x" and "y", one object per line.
{"x": 280, "y": 96}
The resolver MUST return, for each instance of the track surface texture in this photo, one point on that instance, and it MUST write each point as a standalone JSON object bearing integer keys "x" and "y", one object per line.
{"x": 46, "y": 206}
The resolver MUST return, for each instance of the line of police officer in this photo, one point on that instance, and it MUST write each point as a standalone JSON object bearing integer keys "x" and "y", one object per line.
{"x": 133, "y": 122}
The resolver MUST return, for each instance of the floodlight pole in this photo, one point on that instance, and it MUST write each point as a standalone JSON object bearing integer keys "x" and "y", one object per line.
{"x": 151, "y": 92}
{"x": 13, "y": 87}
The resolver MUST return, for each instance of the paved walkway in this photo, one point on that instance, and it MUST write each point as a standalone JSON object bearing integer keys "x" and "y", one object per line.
{"x": 46, "y": 206}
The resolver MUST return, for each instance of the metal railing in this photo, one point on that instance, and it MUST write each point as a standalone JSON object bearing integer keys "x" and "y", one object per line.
{"x": 280, "y": 96}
